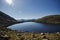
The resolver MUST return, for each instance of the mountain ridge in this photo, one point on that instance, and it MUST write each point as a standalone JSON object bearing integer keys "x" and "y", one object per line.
{"x": 51, "y": 19}
{"x": 6, "y": 20}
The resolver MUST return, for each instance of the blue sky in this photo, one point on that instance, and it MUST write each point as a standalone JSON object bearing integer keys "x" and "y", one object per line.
{"x": 30, "y": 9}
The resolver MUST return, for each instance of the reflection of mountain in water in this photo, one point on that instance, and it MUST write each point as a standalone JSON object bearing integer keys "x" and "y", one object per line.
{"x": 35, "y": 27}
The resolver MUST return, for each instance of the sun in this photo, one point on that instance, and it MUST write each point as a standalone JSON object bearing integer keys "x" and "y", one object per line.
{"x": 9, "y": 2}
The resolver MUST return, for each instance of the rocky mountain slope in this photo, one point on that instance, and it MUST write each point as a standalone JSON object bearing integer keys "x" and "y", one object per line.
{"x": 6, "y": 20}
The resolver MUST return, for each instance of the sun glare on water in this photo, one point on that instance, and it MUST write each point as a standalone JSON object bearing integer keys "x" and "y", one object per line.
{"x": 9, "y": 2}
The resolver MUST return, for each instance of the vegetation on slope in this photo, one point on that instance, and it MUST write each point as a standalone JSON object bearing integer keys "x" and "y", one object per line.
{"x": 52, "y": 19}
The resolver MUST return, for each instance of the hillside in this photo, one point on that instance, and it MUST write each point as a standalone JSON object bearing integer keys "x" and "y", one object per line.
{"x": 6, "y": 20}
{"x": 8, "y": 34}
{"x": 52, "y": 19}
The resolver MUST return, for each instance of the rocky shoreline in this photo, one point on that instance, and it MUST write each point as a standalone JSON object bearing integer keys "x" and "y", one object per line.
{"x": 8, "y": 34}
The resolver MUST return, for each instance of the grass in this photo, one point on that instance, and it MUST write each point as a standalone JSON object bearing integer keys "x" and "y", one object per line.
{"x": 14, "y": 35}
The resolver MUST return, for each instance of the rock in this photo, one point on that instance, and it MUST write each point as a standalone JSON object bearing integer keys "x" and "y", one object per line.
{"x": 4, "y": 37}
{"x": 45, "y": 39}
{"x": 34, "y": 39}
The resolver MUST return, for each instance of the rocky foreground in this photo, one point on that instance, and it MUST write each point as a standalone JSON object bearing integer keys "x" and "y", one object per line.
{"x": 7, "y": 34}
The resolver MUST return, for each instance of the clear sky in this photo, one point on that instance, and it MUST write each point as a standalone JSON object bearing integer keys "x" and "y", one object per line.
{"x": 28, "y": 9}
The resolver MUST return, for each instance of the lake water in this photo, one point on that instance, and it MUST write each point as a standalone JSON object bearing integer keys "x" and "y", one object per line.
{"x": 35, "y": 27}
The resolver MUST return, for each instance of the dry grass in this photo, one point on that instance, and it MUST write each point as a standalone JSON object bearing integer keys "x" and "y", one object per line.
{"x": 13, "y": 35}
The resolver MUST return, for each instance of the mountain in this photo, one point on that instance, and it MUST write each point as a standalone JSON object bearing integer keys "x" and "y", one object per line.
{"x": 6, "y": 20}
{"x": 24, "y": 20}
{"x": 51, "y": 19}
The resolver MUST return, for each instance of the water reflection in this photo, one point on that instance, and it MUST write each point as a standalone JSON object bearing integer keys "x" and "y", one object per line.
{"x": 35, "y": 27}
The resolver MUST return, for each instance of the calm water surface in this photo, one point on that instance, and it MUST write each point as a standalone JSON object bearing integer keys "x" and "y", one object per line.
{"x": 35, "y": 27}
